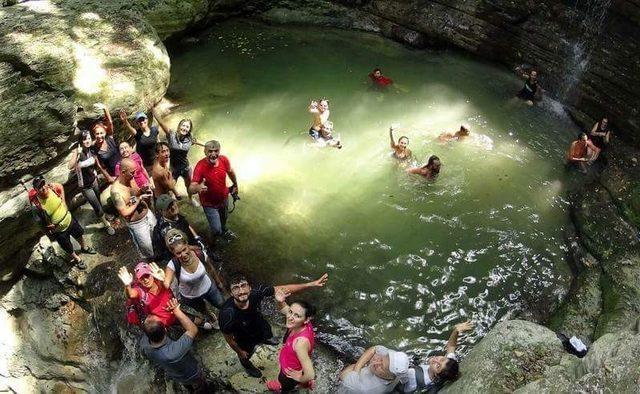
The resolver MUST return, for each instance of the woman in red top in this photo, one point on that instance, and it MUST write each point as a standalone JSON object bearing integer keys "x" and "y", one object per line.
{"x": 296, "y": 367}
{"x": 150, "y": 291}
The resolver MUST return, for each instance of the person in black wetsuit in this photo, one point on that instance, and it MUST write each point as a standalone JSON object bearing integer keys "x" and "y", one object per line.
{"x": 531, "y": 91}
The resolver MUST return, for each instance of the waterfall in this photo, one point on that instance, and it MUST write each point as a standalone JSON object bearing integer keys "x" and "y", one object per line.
{"x": 588, "y": 19}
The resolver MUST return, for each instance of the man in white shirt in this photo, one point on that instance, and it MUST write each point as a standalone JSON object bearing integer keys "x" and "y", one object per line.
{"x": 379, "y": 370}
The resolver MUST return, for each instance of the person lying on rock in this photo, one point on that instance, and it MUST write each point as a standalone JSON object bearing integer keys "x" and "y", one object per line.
{"x": 147, "y": 295}
{"x": 84, "y": 162}
{"x": 378, "y": 370}
{"x": 296, "y": 367}
{"x": 161, "y": 172}
{"x": 241, "y": 321}
{"x": 401, "y": 151}
{"x": 601, "y": 133}
{"x": 459, "y": 135}
{"x": 582, "y": 152}
{"x": 195, "y": 287}
{"x": 531, "y": 91}
{"x": 141, "y": 176}
{"x": 174, "y": 357}
{"x": 431, "y": 170}
{"x": 169, "y": 218}
{"x": 438, "y": 370}
{"x": 132, "y": 204}
{"x": 180, "y": 142}
{"x": 50, "y": 209}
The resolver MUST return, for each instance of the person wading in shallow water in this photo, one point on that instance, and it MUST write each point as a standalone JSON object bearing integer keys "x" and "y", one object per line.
{"x": 582, "y": 152}
{"x": 601, "y": 133}
{"x": 531, "y": 91}
{"x": 431, "y": 170}
{"x": 401, "y": 150}
{"x": 161, "y": 173}
{"x": 320, "y": 111}
{"x": 240, "y": 319}
{"x": 49, "y": 207}
{"x": 379, "y": 80}
{"x": 131, "y": 203}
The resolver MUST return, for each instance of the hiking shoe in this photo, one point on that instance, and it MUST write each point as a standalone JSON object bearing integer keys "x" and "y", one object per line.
{"x": 252, "y": 370}
{"x": 88, "y": 250}
{"x": 110, "y": 230}
{"x": 81, "y": 265}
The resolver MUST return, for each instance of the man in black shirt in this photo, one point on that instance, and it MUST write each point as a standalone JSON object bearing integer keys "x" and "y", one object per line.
{"x": 169, "y": 218}
{"x": 240, "y": 319}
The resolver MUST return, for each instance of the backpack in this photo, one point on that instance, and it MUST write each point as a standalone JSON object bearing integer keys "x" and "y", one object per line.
{"x": 177, "y": 265}
{"x": 38, "y": 214}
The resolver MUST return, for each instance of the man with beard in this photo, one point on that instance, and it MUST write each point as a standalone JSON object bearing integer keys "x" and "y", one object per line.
{"x": 240, "y": 319}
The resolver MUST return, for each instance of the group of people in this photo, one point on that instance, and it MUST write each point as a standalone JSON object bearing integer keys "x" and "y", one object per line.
{"x": 141, "y": 172}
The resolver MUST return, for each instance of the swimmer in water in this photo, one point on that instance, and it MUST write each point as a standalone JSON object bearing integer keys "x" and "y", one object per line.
{"x": 320, "y": 111}
{"x": 531, "y": 91}
{"x": 379, "y": 80}
{"x": 429, "y": 170}
{"x": 457, "y": 136}
{"x": 400, "y": 150}
{"x": 582, "y": 152}
{"x": 327, "y": 135}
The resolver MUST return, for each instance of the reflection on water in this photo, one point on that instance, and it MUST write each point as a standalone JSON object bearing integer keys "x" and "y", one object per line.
{"x": 407, "y": 258}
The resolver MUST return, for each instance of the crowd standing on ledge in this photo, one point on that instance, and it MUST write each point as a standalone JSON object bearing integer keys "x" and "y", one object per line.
{"x": 148, "y": 205}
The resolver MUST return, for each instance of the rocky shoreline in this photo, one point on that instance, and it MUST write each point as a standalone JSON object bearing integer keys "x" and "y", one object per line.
{"x": 68, "y": 325}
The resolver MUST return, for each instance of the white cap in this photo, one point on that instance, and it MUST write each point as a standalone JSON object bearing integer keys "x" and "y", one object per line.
{"x": 399, "y": 365}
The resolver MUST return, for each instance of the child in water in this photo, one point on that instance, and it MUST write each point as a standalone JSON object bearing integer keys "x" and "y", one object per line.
{"x": 457, "y": 136}
{"x": 327, "y": 135}
{"x": 429, "y": 170}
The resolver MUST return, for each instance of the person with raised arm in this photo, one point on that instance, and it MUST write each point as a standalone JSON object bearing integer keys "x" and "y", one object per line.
{"x": 531, "y": 91}
{"x": 105, "y": 146}
{"x": 401, "y": 150}
{"x": 320, "y": 111}
{"x": 241, "y": 321}
{"x": 148, "y": 292}
{"x": 296, "y": 367}
{"x": 146, "y": 136}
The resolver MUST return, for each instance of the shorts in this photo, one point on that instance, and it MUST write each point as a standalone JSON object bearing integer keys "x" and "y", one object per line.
{"x": 526, "y": 95}
{"x": 63, "y": 238}
{"x": 315, "y": 134}
{"x": 286, "y": 382}
{"x": 178, "y": 172}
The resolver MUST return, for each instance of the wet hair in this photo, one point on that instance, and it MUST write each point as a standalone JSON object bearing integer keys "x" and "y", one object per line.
{"x": 237, "y": 278}
{"x": 309, "y": 310}
{"x": 404, "y": 136}
{"x": 323, "y": 99}
{"x": 155, "y": 330}
{"x": 375, "y": 69}
{"x": 212, "y": 144}
{"x": 450, "y": 371}
{"x": 434, "y": 164}
{"x": 159, "y": 146}
{"x": 186, "y": 121}
{"x": 466, "y": 129}
{"x": 582, "y": 134}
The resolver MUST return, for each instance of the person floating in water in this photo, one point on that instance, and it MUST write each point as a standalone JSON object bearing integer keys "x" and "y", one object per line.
{"x": 326, "y": 133}
{"x": 600, "y": 133}
{"x": 582, "y": 152}
{"x": 531, "y": 91}
{"x": 400, "y": 150}
{"x": 429, "y": 170}
{"x": 320, "y": 111}
{"x": 379, "y": 80}
{"x": 459, "y": 135}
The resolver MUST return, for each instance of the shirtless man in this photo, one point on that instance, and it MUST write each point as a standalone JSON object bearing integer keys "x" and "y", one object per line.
{"x": 582, "y": 152}
{"x": 131, "y": 203}
{"x": 429, "y": 170}
{"x": 457, "y": 136}
{"x": 320, "y": 111}
{"x": 161, "y": 172}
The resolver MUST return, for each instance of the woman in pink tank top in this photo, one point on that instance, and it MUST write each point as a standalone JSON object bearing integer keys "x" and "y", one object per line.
{"x": 296, "y": 367}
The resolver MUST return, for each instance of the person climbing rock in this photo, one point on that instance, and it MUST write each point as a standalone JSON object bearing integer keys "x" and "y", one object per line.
{"x": 161, "y": 172}
{"x": 210, "y": 182}
{"x": 241, "y": 321}
{"x": 180, "y": 142}
{"x": 174, "y": 357}
{"x": 296, "y": 367}
{"x": 132, "y": 204}
{"x": 431, "y": 170}
{"x": 84, "y": 163}
{"x": 50, "y": 209}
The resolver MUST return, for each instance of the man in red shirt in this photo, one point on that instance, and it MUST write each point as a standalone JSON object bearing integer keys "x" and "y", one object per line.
{"x": 209, "y": 180}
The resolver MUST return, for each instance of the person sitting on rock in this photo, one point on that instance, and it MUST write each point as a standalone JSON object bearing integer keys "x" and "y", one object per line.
{"x": 174, "y": 357}
{"x": 601, "y": 133}
{"x": 400, "y": 150}
{"x": 459, "y": 135}
{"x": 141, "y": 176}
{"x": 379, "y": 370}
{"x": 194, "y": 284}
{"x": 582, "y": 152}
{"x": 50, "y": 209}
{"x": 438, "y": 370}
{"x": 379, "y": 80}
{"x": 84, "y": 162}
{"x": 531, "y": 91}
{"x": 147, "y": 295}
{"x": 146, "y": 136}
{"x": 105, "y": 146}
{"x": 132, "y": 204}
{"x": 240, "y": 319}
{"x": 431, "y": 170}
{"x": 169, "y": 218}
{"x": 296, "y": 367}
{"x": 161, "y": 172}
{"x": 180, "y": 143}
